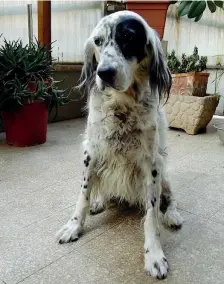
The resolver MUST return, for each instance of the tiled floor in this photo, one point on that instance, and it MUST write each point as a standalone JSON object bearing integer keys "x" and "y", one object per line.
{"x": 38, "y": 190}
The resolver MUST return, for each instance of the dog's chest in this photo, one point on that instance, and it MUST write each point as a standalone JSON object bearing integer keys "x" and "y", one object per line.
{"x": 122, "y": 125}
{"x": 121, "y": 133}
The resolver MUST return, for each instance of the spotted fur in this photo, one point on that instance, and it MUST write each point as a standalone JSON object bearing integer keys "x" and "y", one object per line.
{"x": 125, "y": 146}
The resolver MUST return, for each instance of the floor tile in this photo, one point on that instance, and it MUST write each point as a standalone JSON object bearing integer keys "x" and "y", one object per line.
{"x": 27, "y": 251}
{"x": 30, "y": 208}
{"x": 186, "y": 268}
{"x": 203, "y": 196}
{"x": 73, "y": 268}
{"x": 218, "y": 217}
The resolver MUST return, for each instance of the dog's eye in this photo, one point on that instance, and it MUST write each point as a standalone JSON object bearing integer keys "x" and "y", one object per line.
{"x": 98, "y": 41}
{"x": 128, "y": 36}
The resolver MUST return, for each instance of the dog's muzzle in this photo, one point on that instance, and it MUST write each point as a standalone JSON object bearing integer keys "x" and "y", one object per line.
{"x": 107, "y": 75}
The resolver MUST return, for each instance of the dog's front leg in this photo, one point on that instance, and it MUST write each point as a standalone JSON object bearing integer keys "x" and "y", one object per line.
{"x": 71, "y": 231}
{"x": 156, "y": 263}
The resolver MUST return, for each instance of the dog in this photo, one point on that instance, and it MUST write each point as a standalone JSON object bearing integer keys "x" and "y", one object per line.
{"x": 125, "y": 147}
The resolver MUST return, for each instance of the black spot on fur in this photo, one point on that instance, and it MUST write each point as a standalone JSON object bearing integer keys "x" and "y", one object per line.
{"x": 108, "y": 54}
{"x": 135, "y": 87}
{"x": 74, "y": 240}
{"x": 86, "y": 162}
{"x": 164, "y": 203}
{"x": 85, "y": 152}
{"x": 75, "y": 218}
{"x": 87, "y": 198}
{"x": 147, "y": 250}
{"x": 85, "y": 186}
{"x": 131, "y": 38}
{"x": 154, "y": 181}
{"x": 84, "y": 178}
{"x": 121, "y": 116}
{"x": 156, "y": 265}
{"x": 154, "y": 173}
{"x": 153, "y": 201}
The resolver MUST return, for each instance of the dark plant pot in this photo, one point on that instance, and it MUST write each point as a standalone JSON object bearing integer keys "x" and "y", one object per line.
{"x": 190, "y": 84}
{"x": 27, "y": 126}
{"x": 154, "y": 13}
{"x": 1, "y": 124}
{"x": 76, "y": 108}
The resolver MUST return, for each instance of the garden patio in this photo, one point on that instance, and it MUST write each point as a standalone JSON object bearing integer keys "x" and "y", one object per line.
{"x": 39, "y": 185}
{"x": 39, "y": 188}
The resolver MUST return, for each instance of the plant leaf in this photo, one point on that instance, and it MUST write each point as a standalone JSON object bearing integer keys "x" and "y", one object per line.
{"x": 211, "y": 6}
{"x": 183, "y": 8}
{"x": 196, "y": 9}
{"x": 198, "y": 17}
{"x": 219, "y": 4}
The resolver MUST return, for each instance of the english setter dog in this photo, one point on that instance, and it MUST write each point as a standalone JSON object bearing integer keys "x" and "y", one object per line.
{"x": 125, "y": 147}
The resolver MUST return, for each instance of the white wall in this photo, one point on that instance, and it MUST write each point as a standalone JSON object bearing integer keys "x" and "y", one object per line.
{"x": 72, "y": 23}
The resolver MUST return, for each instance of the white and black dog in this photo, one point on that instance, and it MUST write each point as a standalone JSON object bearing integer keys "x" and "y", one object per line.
{"x": 125, "y": 147}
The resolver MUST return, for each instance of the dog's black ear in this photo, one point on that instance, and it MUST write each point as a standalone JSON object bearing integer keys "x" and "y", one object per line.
{"x": 159, "y": 73}
{"x": 87, "y": 78}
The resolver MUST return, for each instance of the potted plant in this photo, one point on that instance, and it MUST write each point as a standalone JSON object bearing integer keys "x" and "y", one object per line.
{"x": 189, "y": 107}
{"x": 27, "y": 92}
{"x": 188, "y": 77}
{"x": 154, "y": 12}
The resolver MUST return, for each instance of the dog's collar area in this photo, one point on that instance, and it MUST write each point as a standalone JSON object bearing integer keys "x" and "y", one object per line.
{"x": 131, "y": 91}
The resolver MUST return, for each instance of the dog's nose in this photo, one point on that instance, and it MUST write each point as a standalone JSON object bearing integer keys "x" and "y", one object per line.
{"x": 107, "y": 74}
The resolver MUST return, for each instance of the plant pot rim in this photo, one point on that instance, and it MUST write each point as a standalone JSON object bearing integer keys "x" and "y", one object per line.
{"x": 147, "y": 2}
{"x": 190, "y": 74}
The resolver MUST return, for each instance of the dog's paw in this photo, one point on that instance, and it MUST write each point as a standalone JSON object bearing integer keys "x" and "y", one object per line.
{"x": 96, "y": 207}
{"x": 172, "y": 219}
{"x": 69, "y": 232}
{"x": 156, "y": 265}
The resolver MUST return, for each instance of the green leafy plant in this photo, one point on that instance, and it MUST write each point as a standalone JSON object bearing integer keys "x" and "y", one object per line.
{"x": 22, "y": 66}
{"x": 195, "y": 9}
{"x": 192, "y": 63}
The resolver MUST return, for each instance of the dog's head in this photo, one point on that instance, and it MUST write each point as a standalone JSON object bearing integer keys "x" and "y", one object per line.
{"x": 121, "y": 49}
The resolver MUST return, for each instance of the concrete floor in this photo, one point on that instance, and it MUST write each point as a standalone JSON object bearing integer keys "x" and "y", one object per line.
{"x": 38, "y": 190}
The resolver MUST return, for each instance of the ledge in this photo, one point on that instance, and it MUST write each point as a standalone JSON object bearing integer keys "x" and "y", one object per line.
{"x": 68, "y": 67}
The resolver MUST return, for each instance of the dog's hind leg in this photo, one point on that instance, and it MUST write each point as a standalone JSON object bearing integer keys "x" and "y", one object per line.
{"x": 168, "y": 207}
{"x": 72, "y": 230}
{"x": 97, "y": 204}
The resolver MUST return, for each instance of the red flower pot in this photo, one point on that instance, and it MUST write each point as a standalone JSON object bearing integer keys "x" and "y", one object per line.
{"x": 27, "y": 126}
{"x": 154, "y": 13}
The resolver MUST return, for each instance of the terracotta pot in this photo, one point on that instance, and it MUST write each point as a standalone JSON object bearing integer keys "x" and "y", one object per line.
{"x": 189, "y": 84}
{"x": 154, "y": 13}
